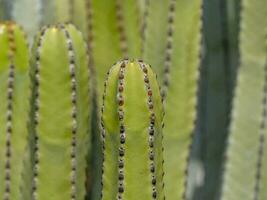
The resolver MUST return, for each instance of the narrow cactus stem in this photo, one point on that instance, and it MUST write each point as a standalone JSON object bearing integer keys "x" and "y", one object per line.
{"x": 61, "y": 148}
{"x": 176, "y": 59}
{"x": 14, "y": 94}
{"x": 247, "y": 134}
{"x": 218, "y": 70}
{"x": 131, "y": 121}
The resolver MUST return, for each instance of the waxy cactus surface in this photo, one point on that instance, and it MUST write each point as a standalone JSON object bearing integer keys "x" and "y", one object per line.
{"x": 60, "y": 114}
{"x": 14, "y": 108}
{"x": 245, "y": 174}
{"x": 131, "y": 121}
{"x": 173, "y": 49}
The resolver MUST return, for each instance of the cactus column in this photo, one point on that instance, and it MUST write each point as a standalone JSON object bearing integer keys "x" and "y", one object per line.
{"x": 14, "y": 107}
{"x": 245, "y": 174}
{"x": 174, "y": 54}
{"x": 60, "y": 114}
{"x": 132, "y": 116}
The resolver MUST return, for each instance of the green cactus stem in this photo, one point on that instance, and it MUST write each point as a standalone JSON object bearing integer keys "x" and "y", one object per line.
{"x": 173, "y": 49}
{"x": 132, "y": 115}
{"x": 120, "y": 31}
{"x": 155, "y": 30}
{"x": 60, "y": 116}
{"x": 245, "y": 170}
{"x": 14, "y": 108}
{"x": 218, "y": 75}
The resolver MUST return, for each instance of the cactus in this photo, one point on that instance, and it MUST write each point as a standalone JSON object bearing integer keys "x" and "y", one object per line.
{"x": 14, "y": 108}
{"x": 175, "y": 57}
{"x": 244, "y": 176}
{"x": 132, "y": 115}
{"x": 119, "y": 29}
{"x": 60, "y": 113}
{"x": 218, "y": 71}
{"x": 155, "y": 34}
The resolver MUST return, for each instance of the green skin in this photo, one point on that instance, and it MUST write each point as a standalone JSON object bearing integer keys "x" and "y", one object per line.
{"x": 133, "y": 107}
{"x": 245, "y": 171}
{"x": 19, "y": 111}
{"x": 106, "y": 36}
{"x": 218, "y": 71}
{"x": 102, "y": 33}
{"x": 179, "y": 77}
{"x": 59, "y": 94}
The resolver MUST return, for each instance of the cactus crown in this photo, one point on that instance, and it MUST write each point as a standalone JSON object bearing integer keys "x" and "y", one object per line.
{"x": 132, "y": 102}
{"x": 60, "y": 112}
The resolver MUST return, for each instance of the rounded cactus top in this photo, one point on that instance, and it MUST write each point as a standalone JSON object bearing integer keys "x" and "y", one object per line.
{"x": 131, "y": 121}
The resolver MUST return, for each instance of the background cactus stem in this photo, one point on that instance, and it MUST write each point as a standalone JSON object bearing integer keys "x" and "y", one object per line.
{"x": 246, "y": 140}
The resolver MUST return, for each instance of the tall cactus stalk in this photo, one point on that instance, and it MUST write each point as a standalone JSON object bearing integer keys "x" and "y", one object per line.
{"x": 218, "y": 72}
{"x": 245, "y": 170}
{"x": 176, "y": 59}
{"x": 132, "y": 115}
{"x": 14, "y": 108}
{"x": 60, "y": 114}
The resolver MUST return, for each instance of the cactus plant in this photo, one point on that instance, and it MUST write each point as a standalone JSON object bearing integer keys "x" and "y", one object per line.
{"x": 60, "y": 113}
{"x": 132, "y": 115}
{"x": 218, "y": 71}
{"x": 244, "y": 176}
{"x": 119, "y": 31}
{"x": 175, "y": 57}
{"x": 119, "y": 28}
{"x": 14, "y": 107}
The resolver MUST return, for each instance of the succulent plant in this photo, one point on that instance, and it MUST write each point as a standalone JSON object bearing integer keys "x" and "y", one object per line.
{"x": 244, "y": 176}
{"x": 132, "y": 115}
{"x": 14, "y": 108}
{"x": 175, "y": 57}
{"x": 51, "y": 119}
{"x": 119, "y": 30}
{"x": 218, "y": 74}
{"x": 60, "y": 117}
